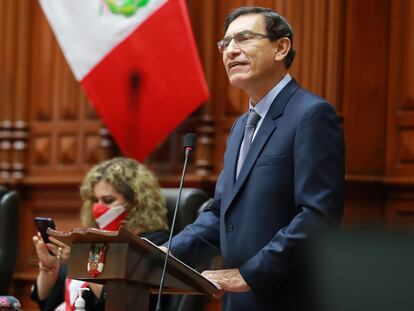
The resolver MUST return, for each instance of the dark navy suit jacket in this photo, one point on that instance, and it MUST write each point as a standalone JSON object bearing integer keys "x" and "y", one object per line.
{"x": 291, "y": 184}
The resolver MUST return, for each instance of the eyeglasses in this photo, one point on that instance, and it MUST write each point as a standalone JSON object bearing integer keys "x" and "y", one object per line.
{"x": 241, "y": 38}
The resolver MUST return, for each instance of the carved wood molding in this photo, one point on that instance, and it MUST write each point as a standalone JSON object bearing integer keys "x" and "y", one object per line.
{"x": 14, "y": 20}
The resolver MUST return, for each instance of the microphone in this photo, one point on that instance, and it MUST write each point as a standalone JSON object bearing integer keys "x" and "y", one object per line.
{"x": 189, "y": 145}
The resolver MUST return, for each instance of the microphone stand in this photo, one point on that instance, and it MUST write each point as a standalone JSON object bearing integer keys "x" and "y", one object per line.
{"x": 188, "y": 148}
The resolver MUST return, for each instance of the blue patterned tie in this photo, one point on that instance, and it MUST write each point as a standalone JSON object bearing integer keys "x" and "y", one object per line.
{"x": 252, "y": 120}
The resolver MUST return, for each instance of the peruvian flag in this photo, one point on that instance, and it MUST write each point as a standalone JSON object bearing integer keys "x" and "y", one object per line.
{"x": 137, "y": 62}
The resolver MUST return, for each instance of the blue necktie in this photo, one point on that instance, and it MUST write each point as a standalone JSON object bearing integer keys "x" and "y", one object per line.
{"x": 252, "y": 120}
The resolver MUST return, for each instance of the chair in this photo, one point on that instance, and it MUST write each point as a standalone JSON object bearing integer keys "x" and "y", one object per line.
{"x": 9, "y": 204}
{"x": 192, "y": 203}
{"x": 3, "y": 191}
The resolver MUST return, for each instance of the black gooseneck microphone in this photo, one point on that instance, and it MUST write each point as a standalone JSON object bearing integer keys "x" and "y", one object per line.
{"x": 189, "y": 144}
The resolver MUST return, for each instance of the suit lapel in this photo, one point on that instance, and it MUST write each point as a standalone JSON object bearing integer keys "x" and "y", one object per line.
{"x": 233, "y": 146}
{"x": 266, "y": 129}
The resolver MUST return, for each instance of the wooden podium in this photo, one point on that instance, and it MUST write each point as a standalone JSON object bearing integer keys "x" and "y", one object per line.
{"x": 132, "y": 268}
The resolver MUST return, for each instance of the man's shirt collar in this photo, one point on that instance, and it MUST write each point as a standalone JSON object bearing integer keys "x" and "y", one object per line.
{"x": 263, "y": 105}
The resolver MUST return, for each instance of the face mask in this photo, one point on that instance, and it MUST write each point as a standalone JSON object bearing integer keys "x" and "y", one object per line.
{"x": 109, "y": 218}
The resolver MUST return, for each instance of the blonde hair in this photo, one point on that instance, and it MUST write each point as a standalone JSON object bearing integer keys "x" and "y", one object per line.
{"x": 146, "y": 205}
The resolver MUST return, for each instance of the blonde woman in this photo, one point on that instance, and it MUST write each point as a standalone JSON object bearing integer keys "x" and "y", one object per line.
{"x": 113, "y": 191}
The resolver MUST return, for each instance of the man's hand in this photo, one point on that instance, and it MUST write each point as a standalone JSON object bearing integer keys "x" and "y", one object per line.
{"x": 228, "y": 279}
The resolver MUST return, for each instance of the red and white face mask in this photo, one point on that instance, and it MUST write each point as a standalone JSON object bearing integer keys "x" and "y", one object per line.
{"x": 109, "y": 218}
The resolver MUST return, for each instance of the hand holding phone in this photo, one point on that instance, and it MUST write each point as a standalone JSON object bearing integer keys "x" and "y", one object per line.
{"x": 42, "y": 223}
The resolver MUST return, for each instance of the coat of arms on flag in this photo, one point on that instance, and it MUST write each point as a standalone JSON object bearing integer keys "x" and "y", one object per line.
{"x": 96, "y": 259}
{"x": 125, "y": 7}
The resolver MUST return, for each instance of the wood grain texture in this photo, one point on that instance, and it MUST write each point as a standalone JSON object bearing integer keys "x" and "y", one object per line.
{"x": 357, "y": 54}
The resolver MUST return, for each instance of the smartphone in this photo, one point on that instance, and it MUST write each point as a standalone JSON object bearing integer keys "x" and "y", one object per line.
{"x": 42, "y": 223}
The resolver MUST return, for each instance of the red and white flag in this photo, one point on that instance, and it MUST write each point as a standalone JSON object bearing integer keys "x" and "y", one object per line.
{"x": 137, "y": 62}
{"x": 71, "y": 293}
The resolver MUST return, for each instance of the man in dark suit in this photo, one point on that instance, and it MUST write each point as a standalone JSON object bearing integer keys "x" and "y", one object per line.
{"x": 283, "y": 174}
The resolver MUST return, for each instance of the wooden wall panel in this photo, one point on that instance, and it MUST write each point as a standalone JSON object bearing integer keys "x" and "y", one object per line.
{"x": 357, "y": 54}
{"x": 5, "y": 143}
{"x": 364, "y": 106}
{"x": 41, "y": 62}
{"x": 365, "y": 86}
{"x": 62, "y": 126}
{"x": 400, "y": 152}
{"x": 20, "y": 131}
{"x": 13, "y": 88}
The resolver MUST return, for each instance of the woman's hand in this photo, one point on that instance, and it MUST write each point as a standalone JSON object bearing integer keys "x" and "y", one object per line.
{"x": 63, "y": 251}
{"x": 58, "y": 251}
{"x": 50, "y": 255}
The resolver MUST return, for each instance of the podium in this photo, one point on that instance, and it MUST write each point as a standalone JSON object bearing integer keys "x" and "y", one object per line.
{"x": 131, "y": 269}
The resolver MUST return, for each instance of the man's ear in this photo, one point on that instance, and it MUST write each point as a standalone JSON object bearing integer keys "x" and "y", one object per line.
{"x": 282, "y": 48}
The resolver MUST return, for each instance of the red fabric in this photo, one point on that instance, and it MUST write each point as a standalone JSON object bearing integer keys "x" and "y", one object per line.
{"x": 99, "y": 209}
{"x": 68, "y": 305}
{"x": 113, "y": 218}
{"x": 171, "y": 83}
{"x": 116, "y": 223}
